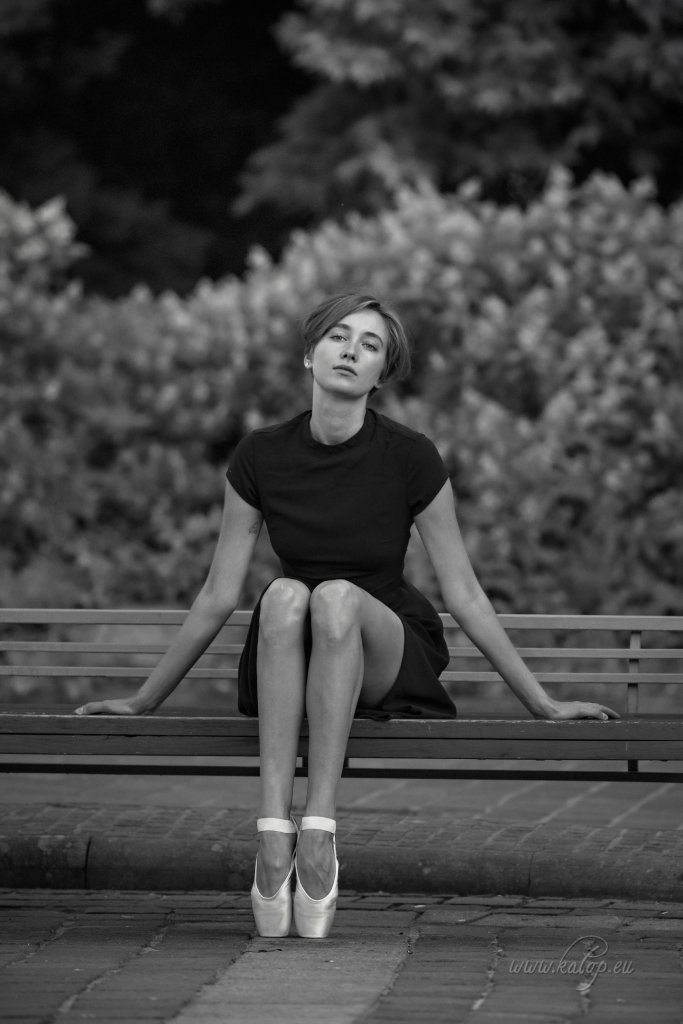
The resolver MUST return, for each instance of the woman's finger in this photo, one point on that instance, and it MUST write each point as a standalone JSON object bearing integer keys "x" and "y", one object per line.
{"x": 599, "y": 711}
{"x": 581, "y": 709}
{"x": 106, "y": 707}
{"x": 89, "y": 709}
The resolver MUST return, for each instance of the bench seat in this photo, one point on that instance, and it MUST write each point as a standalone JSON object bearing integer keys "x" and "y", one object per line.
{"x": 50, "y": 738}
{"x": 47, "y": 731}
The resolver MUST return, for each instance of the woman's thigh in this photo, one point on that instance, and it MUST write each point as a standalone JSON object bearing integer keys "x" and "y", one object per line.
{"x": 382, "y": 637}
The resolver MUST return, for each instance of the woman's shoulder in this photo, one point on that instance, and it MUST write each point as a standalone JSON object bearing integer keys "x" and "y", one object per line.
{"x": 400, "y": 431}
{"x": 278, "y": 430}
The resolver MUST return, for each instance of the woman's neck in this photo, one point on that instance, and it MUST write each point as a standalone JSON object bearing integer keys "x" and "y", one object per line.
{"x": 334, "y": 422}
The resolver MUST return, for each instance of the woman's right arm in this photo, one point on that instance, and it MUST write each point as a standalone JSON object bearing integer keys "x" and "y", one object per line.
{"x": 214, "y": 604}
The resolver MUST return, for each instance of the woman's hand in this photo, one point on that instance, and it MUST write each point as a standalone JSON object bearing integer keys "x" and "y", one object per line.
{"x": 563, "y": 710}
{"x": 126, "y": 706}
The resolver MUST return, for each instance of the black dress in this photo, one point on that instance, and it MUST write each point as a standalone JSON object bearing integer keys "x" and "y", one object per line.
{"x": 344, "y": 511}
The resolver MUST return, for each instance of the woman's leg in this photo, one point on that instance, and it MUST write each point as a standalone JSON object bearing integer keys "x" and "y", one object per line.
{"x": 357, "y": 652}
{"x": 281, "y": 674}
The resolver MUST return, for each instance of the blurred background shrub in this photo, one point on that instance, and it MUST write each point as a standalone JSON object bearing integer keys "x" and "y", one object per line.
{"x": 547, "y": 369}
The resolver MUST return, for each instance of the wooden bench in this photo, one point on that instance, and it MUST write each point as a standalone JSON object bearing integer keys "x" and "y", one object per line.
{"x": 40, "y": 738}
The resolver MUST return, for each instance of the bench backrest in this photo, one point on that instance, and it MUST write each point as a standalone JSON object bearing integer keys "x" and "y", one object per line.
{"x": 643, "y": 643}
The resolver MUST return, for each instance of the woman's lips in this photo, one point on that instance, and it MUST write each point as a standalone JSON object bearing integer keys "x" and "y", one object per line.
{"x": 345, "y": 369}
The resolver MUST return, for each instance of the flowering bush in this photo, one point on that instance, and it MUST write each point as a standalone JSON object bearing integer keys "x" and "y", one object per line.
{"x": 111, "y": 411}
{"x": 547, "y": 369}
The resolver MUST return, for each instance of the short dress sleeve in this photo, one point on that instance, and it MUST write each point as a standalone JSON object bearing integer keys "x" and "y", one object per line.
{"x": 426, "y": 474}
{"x": 241, "y": 472}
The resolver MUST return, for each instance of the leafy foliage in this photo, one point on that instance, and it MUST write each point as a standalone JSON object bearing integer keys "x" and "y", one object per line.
{"x": 450, "y": 89}
{"x": 141, "y": 113}
{"x": 547, "y": 368}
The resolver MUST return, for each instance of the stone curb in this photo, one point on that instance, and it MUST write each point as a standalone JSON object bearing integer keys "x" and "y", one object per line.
{"x": 160, "y": 849}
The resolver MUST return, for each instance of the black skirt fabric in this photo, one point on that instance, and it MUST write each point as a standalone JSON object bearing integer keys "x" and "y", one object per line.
{"x": 416, "y": 692}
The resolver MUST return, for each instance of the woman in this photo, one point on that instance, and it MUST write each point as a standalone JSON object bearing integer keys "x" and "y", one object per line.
{"x": 341, "y": 632}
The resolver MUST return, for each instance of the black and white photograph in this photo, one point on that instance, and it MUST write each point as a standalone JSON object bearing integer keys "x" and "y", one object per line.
{"x": 341, "y": 512}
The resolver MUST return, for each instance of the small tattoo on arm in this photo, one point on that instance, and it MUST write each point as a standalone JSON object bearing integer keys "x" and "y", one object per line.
{"x": 254, "y": 528}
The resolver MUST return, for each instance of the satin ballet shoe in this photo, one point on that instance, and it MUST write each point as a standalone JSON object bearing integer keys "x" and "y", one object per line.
{"x": 313, "y": 918}
{"x": 273, "y": 914}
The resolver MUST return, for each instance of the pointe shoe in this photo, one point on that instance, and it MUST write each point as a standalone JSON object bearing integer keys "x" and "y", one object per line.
{"x": 313, "y": 918}
{"x": 273, "y": 914}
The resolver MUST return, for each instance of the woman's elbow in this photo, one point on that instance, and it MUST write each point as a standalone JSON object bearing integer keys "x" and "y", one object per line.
{"x": 216, "y": 602}
{"x": 461, "y": 600}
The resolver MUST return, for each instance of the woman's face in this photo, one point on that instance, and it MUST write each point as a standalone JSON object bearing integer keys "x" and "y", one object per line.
{"x": 359, "y": 341}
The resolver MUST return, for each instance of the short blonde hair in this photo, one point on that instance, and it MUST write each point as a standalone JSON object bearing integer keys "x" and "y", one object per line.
{"x": 332, "y": 310}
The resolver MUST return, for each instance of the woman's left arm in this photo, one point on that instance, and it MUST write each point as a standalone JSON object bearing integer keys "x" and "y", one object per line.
{"x": 470, "y": 607}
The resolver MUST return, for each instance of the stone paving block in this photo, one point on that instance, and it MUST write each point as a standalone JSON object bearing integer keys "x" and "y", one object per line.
{"x": 361, "y": 918}
{"x": 311, "y": 1013}
{"x": 644, "y": 907}
{"x": 511, "y": 1016}
{"x": 21, "y": 936}
{"x": 674, "y": 926}
{"x": 633, "y": 1015}
{"x": 492, "y": 900}
{"x": 597, "y": 921}
{"x": 333, "y": 980}
{"x": 451, "y": 914}
{"x": 379, "y": 899}
{"x": 418, "y": 1011}
{"x": 528, "y": 909}
{"x": 567, "y": 901}
{"x": 460, "y": 959}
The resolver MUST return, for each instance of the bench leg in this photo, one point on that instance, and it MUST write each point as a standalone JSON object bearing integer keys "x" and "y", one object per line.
{"x": 632, "y": 766}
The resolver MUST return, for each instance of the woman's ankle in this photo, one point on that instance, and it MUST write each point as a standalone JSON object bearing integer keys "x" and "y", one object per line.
{"x": 276, "y": 846}
{"x": 315, "y": 844}
{"x": 326, "y": 812}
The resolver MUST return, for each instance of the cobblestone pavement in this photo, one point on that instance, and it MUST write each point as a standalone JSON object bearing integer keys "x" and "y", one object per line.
{"x": 193, "y": 958}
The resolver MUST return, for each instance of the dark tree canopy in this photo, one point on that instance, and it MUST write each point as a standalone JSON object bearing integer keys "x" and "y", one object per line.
{"x": 494, "y": 89}
{"x": 157, "y": 119}
{"x": 142, "y": 114}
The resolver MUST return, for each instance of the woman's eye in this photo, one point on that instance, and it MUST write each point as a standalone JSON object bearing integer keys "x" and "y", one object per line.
{"x": 342, "y": 337}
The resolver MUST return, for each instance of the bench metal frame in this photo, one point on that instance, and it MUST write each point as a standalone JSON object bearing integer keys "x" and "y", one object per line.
{"x": 50, "y": 733}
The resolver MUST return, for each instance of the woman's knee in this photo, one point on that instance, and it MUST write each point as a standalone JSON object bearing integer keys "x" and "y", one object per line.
{"x": 284, "y": 606}
{"x": 334, "y": 608}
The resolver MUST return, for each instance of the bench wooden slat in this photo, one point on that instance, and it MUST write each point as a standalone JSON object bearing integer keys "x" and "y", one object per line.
{"x": 88, "y": 766}
{"x": 169, "y": 617}
{"x": 406, "y": 747}
{"x": 61, "y": 720}
{"x": 108, "y": 616}
{"x": 579, "y": 623}
{"x": 78, "y": 647}
{"x": 473, "y": 676}
{"x": 584, "y": 653}
{"x": 568, "y": 677}
{"x": 96, "y": 671}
